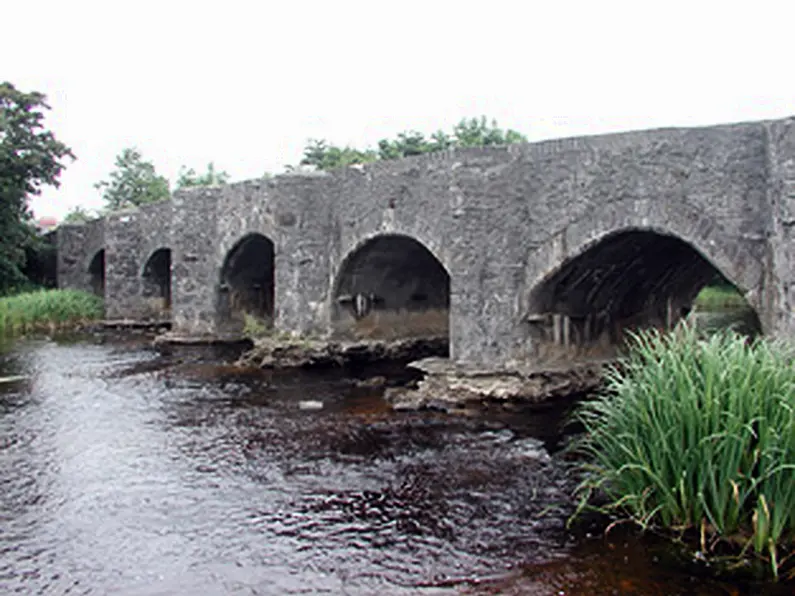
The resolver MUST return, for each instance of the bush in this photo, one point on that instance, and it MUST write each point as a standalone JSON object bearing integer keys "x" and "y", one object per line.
{"x": 719, "y": 297}
{"x": 698, "y": 434}
{"x": 47, "y": 310}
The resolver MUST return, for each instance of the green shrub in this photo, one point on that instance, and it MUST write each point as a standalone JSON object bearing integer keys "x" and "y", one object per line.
{"x": 719, "y": 297}
{"x": 698, "y": 434}
{"x": 47, "y": 310}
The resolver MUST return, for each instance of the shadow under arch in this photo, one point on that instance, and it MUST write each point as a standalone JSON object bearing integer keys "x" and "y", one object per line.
{"x": 156, "y": 281}
{"x": 96, "y": 273}
{"x": 246, "y": 284}
{"x": 628, "y": 279}
{"x": 391, "y": 286}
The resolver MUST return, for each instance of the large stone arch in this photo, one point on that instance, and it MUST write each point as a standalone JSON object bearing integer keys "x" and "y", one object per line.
{"x": 156, "y": 281}
{"x": 390, "y": 285}
{"x": 246, "y": 282}
{"x": 630, "y": 260}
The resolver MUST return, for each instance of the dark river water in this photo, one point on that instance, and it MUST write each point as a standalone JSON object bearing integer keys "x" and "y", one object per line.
{"x": 122, "y": 472}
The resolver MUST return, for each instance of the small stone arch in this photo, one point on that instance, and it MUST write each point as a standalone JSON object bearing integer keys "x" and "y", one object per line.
{"x": 246, "y": 285}
{"x": 156, "y": 282}
{"x": 605, "y": 274}
{"x": 96, "y": 273}
{"x": 391, "y": 286}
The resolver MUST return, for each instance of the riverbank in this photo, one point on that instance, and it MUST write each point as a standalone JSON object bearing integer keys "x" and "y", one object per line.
{"x": 696, "y": 438}
{"x": 47, "y": 310}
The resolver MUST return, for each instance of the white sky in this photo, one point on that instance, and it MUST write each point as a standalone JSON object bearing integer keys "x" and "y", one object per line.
{"x": 245, "y": 84}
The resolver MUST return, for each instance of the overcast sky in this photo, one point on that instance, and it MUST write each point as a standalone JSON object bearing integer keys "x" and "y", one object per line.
{"x": 245, "y": 84}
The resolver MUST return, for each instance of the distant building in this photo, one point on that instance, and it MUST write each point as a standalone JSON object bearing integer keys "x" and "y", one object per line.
{"x": 46, "y": 223}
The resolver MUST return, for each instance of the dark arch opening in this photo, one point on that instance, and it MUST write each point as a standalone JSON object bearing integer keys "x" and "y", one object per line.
{"x": 391, "y": 287}
{"x": 247, "y": 283}
{"x": 629, "y": 280}
{"x": 157, "y": 282}
{"x": 96, "y": 272}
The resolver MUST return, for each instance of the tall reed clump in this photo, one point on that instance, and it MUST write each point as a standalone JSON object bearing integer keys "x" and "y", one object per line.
{"x": 698, "y": 436}
{"x": 47, "y": 310}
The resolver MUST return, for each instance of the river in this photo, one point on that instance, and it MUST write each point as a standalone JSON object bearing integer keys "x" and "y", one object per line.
{"x": 126, "y": 472}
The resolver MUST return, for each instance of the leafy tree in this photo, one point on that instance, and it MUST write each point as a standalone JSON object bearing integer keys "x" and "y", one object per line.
{"x": 189, "y": 178}
{"x": 472, "y": 132}
{"x": 79, "y": 215}
{"x": 320, "y": 154}
{"x": 477, "y": 132}
{"x": 134, "y": 182}
{"x": 30, "y": 157}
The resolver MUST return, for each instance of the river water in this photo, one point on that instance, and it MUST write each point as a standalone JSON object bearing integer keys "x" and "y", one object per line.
{"x": 124, "y": 472}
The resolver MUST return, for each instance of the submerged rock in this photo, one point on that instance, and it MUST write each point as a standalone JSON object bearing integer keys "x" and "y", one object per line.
{"x": 310, "y": 404}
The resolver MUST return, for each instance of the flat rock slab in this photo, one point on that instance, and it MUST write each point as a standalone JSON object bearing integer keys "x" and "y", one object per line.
{"x": 448, "y": 386}
{"x": 134, "y": 324}
{"x": 173, "y": 339}
{"x": 295, "y": 353}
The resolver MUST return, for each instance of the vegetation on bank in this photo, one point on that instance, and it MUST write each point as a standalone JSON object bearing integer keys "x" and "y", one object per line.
{"x": 30, "y": 158}
{"x": 48, "y": 310}
{"x": 719, "y": 297}
{"x": 697, "y": 437}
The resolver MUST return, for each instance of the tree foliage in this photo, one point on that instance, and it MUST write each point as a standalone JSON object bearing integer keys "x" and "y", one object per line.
{"x": 471, "y": 132}
{"x": 323, "y": 156}
{"x": 79, "y": 215}
{"x": 188, "y": 177}
{"x": 30, "y": 158}
{"x": 134, "y": 182}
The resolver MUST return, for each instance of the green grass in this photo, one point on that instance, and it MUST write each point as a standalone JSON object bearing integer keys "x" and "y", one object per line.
{"x": 719, "y": 297}
{"x": 698, "y": 436}
{"x": 256, "y": 327}
{"x": 47, "y": 310}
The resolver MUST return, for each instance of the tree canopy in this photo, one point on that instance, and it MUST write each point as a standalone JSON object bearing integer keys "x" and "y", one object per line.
{"x": 472, "y": 132}
{"x": 188, "y": 177}
{"x": 79, "y": 215}
{"x": 30, "y": 158}
{"x": 133, "y": 182}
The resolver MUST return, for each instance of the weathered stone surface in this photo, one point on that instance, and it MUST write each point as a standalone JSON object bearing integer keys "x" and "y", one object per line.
{"x": 77, "y": 246}
{"x": 285, "y": 353}
{"x": 448, "y": 387}
{"x": 507, "y": 224}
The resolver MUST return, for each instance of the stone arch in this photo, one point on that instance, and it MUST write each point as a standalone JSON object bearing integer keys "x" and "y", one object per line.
{"x": 391, "y": 286}
{"x": 247, "y": 283}
{"x": 156, "y": 281}
{"x": 96, "y": 273}
{"x": 615, "y": 270}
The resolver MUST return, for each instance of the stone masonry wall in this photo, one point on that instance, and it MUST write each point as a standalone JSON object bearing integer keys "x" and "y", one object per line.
{"x": 781, "y": 139}
{"x": 131, "y": 238}
{"x": 77, "y": 245}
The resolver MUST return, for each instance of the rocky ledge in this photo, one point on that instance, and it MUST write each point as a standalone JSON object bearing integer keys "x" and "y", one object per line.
{"x": 447, "y": 386}
{"x": 272, "y": 353}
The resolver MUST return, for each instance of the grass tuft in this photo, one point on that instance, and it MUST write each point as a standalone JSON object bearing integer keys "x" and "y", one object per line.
{"x": 698, "y": 435}
{"x": 47, "y": 310}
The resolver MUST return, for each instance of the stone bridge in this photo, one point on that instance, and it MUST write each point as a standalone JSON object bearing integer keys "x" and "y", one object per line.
{"x": 513, "y": 252}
